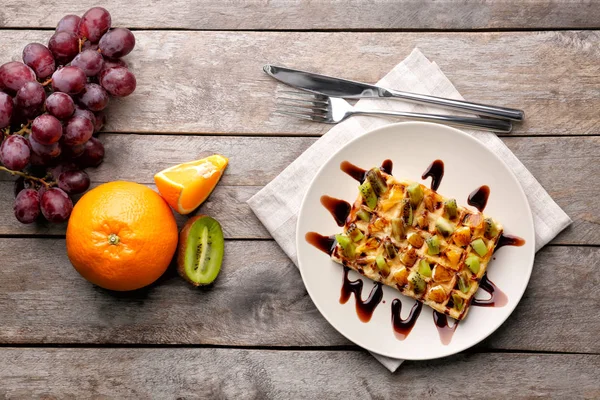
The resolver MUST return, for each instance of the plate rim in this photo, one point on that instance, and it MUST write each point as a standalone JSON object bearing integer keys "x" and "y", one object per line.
{"x": 425, "y": 125}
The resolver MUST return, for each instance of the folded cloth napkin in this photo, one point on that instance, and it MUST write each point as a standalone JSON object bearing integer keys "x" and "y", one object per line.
{"x": 277, "y": 204}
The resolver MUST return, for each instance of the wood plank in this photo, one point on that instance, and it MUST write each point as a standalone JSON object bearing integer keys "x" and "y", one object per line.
{"x": 261, "y": 374}
{"x": 255, "y": 161}
{"x": 258, "y": 300}
{"x": 325, "y": 14}
{"x": 212, "y": 82}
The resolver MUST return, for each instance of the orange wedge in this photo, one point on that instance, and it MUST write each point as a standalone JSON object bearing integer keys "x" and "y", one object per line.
{"x": 186, "y": 186}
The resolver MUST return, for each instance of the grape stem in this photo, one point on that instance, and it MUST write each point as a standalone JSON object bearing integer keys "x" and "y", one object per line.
{"x": 81, "y": 42}
{"x": 47, "y": 82}
{"x": 29, "y": 177}
{"x": 24, "y": 129}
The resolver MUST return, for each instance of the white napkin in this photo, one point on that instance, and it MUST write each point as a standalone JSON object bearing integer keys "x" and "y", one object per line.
{"x": 277, "y": 204}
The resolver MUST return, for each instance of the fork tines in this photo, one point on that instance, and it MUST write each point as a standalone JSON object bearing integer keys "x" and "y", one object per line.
{"x": 305, "y": 105}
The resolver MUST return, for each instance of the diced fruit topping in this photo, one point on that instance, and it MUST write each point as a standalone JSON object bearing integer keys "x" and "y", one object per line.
{"x": 424, "y": 268}
{"x": 364, "y": 215}
{"x": 415, "y": 240}
{"x": 346, "y": 244}
{"x": 429, "y": 203}
{"x": 450, "y": 208}
{"x": 442, "y": 274}
{"x": 368, "y": 194}
{"x": 406, "y": 212}
{"x": 382, "y": 265}
{"x": 401, "y": 276}
{"x": 377, "y": 182}
{"x": 453, "y": 255}
{"x": 491, "y": 230}
{"x": 463, "y": 284}
{"x": 397, "y": 229}
{"x": 390, "y": 249}
{"x": 417, "y": 282}
{"x": 433, "y": 245}
{"x": 415, "y": 193}
{"x": 395, "y": 196}
{"x": 458, "y": 301}
{"x": 437, "y": 294}
{"x": 473, "y": 220}
{"x": 479, "y": 246}
{"x": 354, "y": 233}
{"x": 443, "y": 226}
{"x": 462, "y": 236}
{"x": 473, "y": 263}
{"x": 422, "y": 221}
{"x": 409, "y": 258}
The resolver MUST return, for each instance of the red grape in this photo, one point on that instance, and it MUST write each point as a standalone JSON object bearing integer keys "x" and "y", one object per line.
{"x": 15, "y": 153}
{"x": 60, "y": 168}
{"x": 70, "y": 80}
{"x": 39, "y": 161}
{"x": 46, "y": 129}
{"x": 27, "y": 206}
{"x": 39, "y": 58}
{"x": 69, "y": 23}
{"x": 60, "y": 105}
{"x": 92, "y": 155}
{"x": 74, "y": 182}
{"x": 89, "y": 61}
{"x": 94, "y": 97}
{"x": 111, "y": 63}
{"x": 85, "y": 113}
{"x": 6, "y": 109}
{"x": 119, "y": 82}
{"x": 56, "y": 205}
{"x": 30, "y": 98}
{"x": 45, "y": 151}
{"x": 117, "y": 43}
{"x": 13, "y": 75}
{"x": 89, "y": 46}
{"x": 94, "y": 23}
{"x": 78, "y": 131}
{"x": 100, "y": 121}
{"x": 64, "y": 46}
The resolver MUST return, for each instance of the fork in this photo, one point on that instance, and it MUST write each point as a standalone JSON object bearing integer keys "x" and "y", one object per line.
{"x": 331, "y": 110}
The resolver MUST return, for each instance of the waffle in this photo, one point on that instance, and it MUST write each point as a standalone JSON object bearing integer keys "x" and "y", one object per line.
{"x": 407, "y": 236}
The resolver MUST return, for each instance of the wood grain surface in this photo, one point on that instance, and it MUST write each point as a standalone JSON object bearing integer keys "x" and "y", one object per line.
{"x": 565, "y": 166}
{"x": 258, "y": 300}
{"x": 323, "y": 14}
{"x": 213, "y": 83}
{"x": 252, "y": 374}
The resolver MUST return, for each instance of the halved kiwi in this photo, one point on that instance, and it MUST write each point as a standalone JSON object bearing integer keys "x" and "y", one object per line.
{"x": 200, "y": 251}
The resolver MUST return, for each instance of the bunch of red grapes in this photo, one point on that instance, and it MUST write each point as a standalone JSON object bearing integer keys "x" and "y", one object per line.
{"x": 51, "y": 107}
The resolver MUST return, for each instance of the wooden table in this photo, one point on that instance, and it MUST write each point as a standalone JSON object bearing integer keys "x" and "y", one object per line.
{"x": 256, "y": 333}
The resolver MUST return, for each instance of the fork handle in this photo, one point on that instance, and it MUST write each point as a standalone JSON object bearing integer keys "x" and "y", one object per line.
{"x": 495, "y": 125}
{"x": 479, "y": 109}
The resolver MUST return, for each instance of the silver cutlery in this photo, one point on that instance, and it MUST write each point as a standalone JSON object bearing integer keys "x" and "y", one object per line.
{"x": 331, "y": 110}
{"x": 335, "y": 87}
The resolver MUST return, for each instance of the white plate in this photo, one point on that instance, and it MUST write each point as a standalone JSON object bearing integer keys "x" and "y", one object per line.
{"x": 412, "y": 146}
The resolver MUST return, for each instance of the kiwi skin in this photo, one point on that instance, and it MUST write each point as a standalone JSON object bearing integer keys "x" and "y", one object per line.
{"x": 183, "y": 235}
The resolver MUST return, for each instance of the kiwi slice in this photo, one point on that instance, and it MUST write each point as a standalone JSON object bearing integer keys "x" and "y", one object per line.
{"x": 200, "y": 252}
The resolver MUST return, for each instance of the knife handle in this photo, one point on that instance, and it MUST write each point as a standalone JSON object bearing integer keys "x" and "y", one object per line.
{"x": 479, "y": 109}
{"x": 494, "y": 125}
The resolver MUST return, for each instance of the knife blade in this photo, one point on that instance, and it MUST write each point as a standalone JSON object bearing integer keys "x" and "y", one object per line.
{"x": 336, "y": 87}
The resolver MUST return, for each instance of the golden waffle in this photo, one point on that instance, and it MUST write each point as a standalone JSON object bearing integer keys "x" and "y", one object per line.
{"x": 409, "y": 237}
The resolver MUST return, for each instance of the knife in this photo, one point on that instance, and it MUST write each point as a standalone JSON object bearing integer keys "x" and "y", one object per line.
{"x": 335, "y": 87}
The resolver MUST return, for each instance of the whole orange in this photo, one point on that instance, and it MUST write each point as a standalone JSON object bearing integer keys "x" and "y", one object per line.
{"x": 121, "y": 236}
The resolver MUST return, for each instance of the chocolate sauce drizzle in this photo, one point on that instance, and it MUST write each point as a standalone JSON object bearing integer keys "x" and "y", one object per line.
{"x": 355, "y": 172}
{"x": 509, "y": 240}
{"x": 479, "y": 197}
{"x": 444, "y": 329}
{"x": 497, "y": 297}
{"x": 436, "y": 172}
{"x": 402, "y": 327}
{"x": 324, "y": 243}
{"x": 364, "y": 308}
{"x": 387, "y": 166}
{"x": 340, "y": 209}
